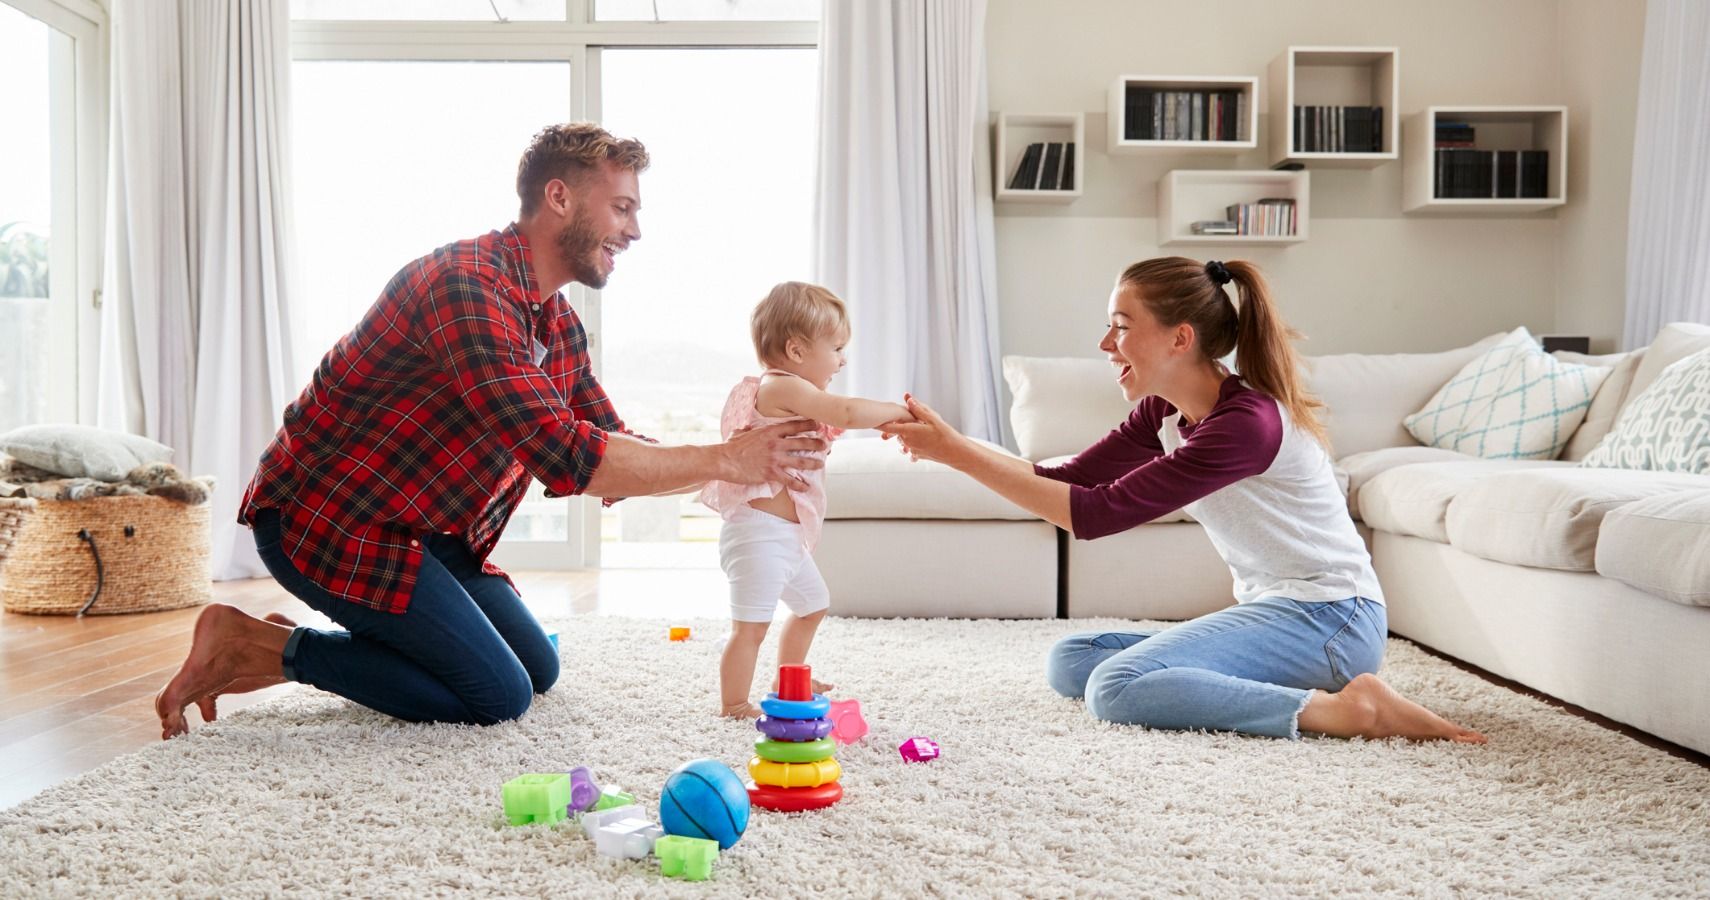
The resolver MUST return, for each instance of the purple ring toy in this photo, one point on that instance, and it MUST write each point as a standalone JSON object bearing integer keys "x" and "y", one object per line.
{"x": 793, "y": 729}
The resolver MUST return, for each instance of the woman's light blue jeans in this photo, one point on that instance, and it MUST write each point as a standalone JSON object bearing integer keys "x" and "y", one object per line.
{"x": 1248, "y": 668}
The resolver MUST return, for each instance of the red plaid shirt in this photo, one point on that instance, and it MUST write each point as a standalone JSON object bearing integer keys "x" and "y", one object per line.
{"x": 429, "y": 417}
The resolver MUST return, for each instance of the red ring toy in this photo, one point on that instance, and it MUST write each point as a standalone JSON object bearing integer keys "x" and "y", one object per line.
{"x": 794, "y": 799}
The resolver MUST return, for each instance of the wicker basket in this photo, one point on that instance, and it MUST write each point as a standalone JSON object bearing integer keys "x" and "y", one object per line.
{"x": 107, "y": 555}
{"x": 13, "y": 511}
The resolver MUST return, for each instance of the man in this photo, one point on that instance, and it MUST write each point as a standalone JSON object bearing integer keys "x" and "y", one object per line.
{"x": 397, "y": 468}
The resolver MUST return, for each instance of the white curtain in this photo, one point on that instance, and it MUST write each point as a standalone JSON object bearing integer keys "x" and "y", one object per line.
{"x": 904, "y": 213}
{"x": 1668, "y": 223}
{"x": 195, "y": 349}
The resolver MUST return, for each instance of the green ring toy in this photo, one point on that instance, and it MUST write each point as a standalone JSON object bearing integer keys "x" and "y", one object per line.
{"x": 794, "y": 751}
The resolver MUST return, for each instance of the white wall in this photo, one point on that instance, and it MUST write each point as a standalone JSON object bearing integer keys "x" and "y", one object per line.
{"x": 1602, "y": 42}
{"x": 1368, "y": 278}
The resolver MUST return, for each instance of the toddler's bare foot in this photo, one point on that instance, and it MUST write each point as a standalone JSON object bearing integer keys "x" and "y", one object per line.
{"x": 743, "y": 710}
{"x": 819, "y": 687}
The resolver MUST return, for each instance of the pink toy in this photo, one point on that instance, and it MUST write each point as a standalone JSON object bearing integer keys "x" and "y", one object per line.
{"x": 918, "y": 749}
{"x": 847, "y": 723}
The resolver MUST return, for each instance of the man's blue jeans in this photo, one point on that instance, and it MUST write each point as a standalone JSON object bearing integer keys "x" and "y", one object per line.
{"x": 1249, "y": 668}
{"x": 467, "y": 650}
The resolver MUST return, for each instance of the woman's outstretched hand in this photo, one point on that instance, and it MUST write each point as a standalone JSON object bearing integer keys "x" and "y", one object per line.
{"x": 928, "y": 436}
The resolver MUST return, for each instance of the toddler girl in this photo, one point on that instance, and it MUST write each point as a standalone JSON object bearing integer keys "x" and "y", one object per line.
{"x": 766, "y": 543}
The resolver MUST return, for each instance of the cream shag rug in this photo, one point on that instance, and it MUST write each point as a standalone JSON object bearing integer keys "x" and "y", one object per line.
{"x": 311, "y": 795}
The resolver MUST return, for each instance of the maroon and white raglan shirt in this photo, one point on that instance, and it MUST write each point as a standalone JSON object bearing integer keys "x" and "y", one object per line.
{"x": 1265, "y": 492}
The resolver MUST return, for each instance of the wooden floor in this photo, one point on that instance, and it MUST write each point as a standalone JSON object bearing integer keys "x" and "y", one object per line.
{"x": 75, "y": 693}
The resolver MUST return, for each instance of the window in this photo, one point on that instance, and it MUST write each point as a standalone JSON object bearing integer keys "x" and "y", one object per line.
{"x": 706, "y": 10}
{"x": 379, "y": 180}
{"x": 727, "y": 212}
{"x": 39, "y": 235}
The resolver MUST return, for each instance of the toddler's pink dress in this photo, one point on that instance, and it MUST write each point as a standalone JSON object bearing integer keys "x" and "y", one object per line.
{"x": 730, "y": 499}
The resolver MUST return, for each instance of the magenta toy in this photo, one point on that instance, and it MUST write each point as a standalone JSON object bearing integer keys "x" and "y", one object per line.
{"x": 847, "y": 723}
{"x": 793, "y": 729}
{"x": 918, "y": 749}
{"x": 583, "y": 791}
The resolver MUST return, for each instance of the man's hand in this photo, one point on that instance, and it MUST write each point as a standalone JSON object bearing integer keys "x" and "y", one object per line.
{"x": 767, "y": 455}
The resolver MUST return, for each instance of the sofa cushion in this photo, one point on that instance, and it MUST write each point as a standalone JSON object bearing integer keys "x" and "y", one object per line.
{"x": 82, "y": 451}
{"x": 870, "y": 478}
{"x": 1660, "y": 545}
{"x": 1674, "y": 342}
{"x": 1062, "y": 404}
{"x": 1367, "y": 395}
{"x": 1356, "y": 470}
{"x": 1414, "y": 500}
{"x": 1606, "y": 406}
{"x": 1667, "y": 427}
{"x": 1514, "y": 401}
{"x": 1548, "y": 519}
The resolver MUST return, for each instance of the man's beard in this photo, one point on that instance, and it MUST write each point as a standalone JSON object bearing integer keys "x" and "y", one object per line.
{"x": 579, "y": 249}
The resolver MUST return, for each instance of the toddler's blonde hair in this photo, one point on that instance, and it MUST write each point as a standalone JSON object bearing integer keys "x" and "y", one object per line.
{"x": 795, "y": 309}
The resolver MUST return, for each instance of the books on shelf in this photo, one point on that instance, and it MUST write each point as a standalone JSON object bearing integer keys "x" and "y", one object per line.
{"x": 1045, "y": 166}
{"x": 1469, "y": 174}
{"x": 1269, "y": 217}
{"x": 1154, "y": 115}
{"x": 1214, "y": 226}
{"x": 1338, "y": 129}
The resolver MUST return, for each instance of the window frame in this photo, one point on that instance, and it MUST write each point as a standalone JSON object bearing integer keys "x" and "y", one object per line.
{"x": 577, "y": 40}
{"x": 78, "y": 118}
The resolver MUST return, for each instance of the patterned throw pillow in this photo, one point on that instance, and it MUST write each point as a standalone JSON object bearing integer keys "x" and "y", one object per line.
{"x": 1513, "y": 402}
{"x": 1666, "y": 428}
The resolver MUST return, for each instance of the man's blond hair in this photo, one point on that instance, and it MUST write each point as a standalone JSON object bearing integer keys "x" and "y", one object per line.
{"x": 568, "y": 152}
{"x": 795, "y": 309}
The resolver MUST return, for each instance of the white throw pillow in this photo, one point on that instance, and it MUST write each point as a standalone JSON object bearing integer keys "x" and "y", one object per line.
{"x": 1062, "y": 404}
{"x": 1667, "y": 427}
{"x": 1512, "y": 402}
{"x": 79, "y": 451}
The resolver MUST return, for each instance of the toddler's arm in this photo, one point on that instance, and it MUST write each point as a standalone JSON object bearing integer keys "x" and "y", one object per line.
{"x": 797, "y": 397}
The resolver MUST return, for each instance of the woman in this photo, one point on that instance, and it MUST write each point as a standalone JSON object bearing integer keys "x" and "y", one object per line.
{"x": 1246, "y": 456}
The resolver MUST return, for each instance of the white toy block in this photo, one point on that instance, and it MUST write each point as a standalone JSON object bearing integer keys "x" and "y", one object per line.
{"x": 630, "y": 838}
{"x": 592, "y": 821}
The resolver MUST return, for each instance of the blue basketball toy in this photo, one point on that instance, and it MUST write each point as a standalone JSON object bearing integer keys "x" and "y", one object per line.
{"x": 705, "y": 799}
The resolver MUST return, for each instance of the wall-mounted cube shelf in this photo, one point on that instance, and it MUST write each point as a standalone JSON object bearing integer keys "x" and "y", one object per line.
{"x": 1309, "y": 83}
{"x": 1186, "y": 196}
{"x": 1496, "y": 128}
{"x": 1012, "y": 135}
{"x": 1162, "y": 112}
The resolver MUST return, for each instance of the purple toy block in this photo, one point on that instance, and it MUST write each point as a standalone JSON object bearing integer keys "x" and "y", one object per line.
{"x": 583, "y": 791}
{"x": 918, "y": 749}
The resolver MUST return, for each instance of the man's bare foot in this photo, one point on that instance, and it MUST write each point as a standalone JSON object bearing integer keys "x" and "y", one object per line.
{"x": 207, "y": 705}
{"x": 1369, "y": 708}
{"x": 224, "y": 647}
{"x": 743, "y": 710}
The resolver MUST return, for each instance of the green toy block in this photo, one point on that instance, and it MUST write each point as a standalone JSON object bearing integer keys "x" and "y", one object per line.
{"x": 685, "y": 857}
{"x": 533, "y": 799}
{"x": 611, "y": 797}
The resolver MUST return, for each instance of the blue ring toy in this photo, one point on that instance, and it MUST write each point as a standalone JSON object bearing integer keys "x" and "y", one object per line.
{"x": 796, "y": 709}
{"x": 793, "y": 729}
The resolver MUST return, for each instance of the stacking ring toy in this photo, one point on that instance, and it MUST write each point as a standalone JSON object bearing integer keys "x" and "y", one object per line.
{"x": 795, "y": 751}
{"x": 796, "y": 709}
{"x": 793, "y": 729}
{"x": 794, "y": 799}
{"x": 794, "y": 775}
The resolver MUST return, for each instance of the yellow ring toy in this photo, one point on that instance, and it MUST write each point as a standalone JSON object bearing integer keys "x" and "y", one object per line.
{"x": 793, "y": 775}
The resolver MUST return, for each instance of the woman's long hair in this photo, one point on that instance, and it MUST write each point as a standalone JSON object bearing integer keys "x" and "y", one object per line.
{"x": 1176, "y": 289}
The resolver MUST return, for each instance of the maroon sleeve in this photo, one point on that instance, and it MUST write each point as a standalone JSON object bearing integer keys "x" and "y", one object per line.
{"x": 1238, "y": 439}
{"x": 1128, "y": 445}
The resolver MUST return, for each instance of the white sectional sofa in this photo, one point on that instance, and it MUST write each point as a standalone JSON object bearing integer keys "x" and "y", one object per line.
{"x": 1591, "y": 585}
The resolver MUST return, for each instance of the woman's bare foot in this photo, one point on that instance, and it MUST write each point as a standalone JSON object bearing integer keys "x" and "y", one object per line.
{"x": 227, "y": 645}
{"x": 206, "y": 705}
{"x": 743, "y": 710}
{"x": 1369, "y": 708}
